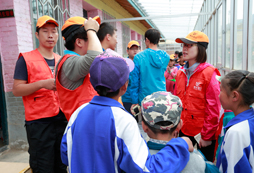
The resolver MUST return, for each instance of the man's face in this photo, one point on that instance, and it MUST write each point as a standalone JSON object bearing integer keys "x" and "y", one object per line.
{"x": 132, "y": 51}
{"x": 113, "y": 41}
{"x": 47, "y": 36}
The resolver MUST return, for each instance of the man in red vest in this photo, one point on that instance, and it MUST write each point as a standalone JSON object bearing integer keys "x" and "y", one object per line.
{"x": 34, "y": 81}
{"x": 73, "y": 78}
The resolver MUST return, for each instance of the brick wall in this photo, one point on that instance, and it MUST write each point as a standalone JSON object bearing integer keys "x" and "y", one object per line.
{"x": 76, "y": 8}
{"x": 15, "y": 37}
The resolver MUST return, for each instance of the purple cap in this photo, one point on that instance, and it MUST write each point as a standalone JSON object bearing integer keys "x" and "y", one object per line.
{"x": 110, "y": 70}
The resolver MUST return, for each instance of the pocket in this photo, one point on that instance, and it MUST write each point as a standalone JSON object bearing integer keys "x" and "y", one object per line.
{"x": 194, "y": 121}
{"x": 198, "y": 101}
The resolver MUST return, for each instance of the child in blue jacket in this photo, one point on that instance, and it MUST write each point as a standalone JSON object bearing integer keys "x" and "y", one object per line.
{"x": 237, "y": 94}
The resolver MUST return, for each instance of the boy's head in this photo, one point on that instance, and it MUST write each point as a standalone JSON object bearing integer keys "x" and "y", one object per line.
{"x": 109, "y": 73}
{"x": 152, "y": 36}
{"x": 74, "y": 34}
{"x": 133, "y": 48}
{"x": 107, "y": 36}
{"x": 46, "y": 31}
{"x": 161, "y": 112}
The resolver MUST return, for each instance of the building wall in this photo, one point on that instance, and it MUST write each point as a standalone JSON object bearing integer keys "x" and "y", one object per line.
{"x": 76, "y": 8}
{"x": 15, "y": 37}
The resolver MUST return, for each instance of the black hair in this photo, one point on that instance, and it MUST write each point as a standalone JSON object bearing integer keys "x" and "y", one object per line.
{"x": 38, "y": 29}
{"x": 177, "y": 52}
{"x": 162, "y": 123}
{"x": 104, "y": 91}
{"x": 71, "y": 39}
{"x": 153, "y": 35}
{"x": 202, "y": 56}
{"x": 180, "y": 54}
{"x": 243, "y": 82}
{"x": 105, "y": 28}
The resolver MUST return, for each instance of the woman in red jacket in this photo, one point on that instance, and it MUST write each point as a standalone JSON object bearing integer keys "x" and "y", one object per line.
{"x": 198, "y": 89}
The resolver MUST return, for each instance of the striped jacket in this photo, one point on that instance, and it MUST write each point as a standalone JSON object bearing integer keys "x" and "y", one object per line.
{"x": 236, "y": 154}
{"x": 103, "y": 137}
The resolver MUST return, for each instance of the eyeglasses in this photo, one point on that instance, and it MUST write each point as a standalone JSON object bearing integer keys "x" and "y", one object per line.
{"x": 187, "y": 45}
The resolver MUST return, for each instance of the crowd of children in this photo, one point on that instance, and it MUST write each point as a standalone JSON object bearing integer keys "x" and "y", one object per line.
{"x": 177, "y": 95}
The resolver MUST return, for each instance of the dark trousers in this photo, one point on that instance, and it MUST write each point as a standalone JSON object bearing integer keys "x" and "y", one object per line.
{"x": 127, "y": 106}
{"x": 44, "y": 146}
{"x": 207, "y": 151}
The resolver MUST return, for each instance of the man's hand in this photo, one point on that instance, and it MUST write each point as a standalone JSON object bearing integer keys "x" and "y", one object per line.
{"x": 91, "y": 24}
{"x": 49, "y": 84}
{"x": 191, "y": 148}
{"x": 203, "y": 143}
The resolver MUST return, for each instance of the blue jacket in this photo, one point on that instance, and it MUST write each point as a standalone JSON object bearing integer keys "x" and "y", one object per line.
{"x": 236, "y": 154}
{"x": 103, "y": 137}
{"x": 127, "y": 96}
{"x": 148, "y": 74}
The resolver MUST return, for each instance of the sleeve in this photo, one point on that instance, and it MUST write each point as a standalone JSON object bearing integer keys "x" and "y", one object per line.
{"x": 64, "y": 156}
{"x": 212, "y": 111}
{"x": 133, "y": 154}
{"x": 175, "y": 89}
{"x": 166, "y": 74}
{"x": 20, "y": 69}
{"x": 77, "y": 67}
{"x": 135, "y": 83}
{"x": 236, "y": 152}
{"x": 174, "y": 71}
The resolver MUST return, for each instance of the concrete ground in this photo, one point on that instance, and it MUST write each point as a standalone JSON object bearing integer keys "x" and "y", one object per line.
{"x": 14, "y": 161}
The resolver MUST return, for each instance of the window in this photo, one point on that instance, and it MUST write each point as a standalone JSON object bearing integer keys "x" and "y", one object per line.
{"x": 219, "y": 48}
{"x": 228, "y": 30}
{"x": 238, "y": 42}
{"x": 251, "y": 40}
{"x": 126, "y": 33}
{"x": 59, "y": 11}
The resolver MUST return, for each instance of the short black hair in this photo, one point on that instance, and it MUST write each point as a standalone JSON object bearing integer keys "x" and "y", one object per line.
{"x": 153, "y": 35}
{"x": 162, "y": 123}
{"x": 180, "y": 54}
{"x": 70, "y": 40}
{"x": 105, "y": 28}
{"x": 177, "y": 52}
{"x": 104, "y": 91}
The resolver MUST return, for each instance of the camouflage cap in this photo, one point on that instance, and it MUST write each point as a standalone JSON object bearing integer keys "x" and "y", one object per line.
{"x": 161, "y": 106}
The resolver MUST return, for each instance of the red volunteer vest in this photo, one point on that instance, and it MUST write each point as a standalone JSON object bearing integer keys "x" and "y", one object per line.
{"x": 193, "y": 98}
{"x": 70, "y": 100}
{"x": 43, "y": 103}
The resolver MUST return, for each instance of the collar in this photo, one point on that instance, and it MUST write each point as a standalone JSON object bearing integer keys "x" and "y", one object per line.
{"x": 156, "y": 144}
{"x": 245, "y": 115}
{"x": 106, "y": 101}
{"x": 192, "y": 68}
{"x": 70, "y": 52}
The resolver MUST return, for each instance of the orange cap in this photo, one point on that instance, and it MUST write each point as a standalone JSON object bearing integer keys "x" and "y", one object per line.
{"x": 133, "y": 42}
{"x": 45, "y": 19}
{"x": 172, "y": 56}
{"x": 195, "y": 37}
{"x": 78, "y": 21}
